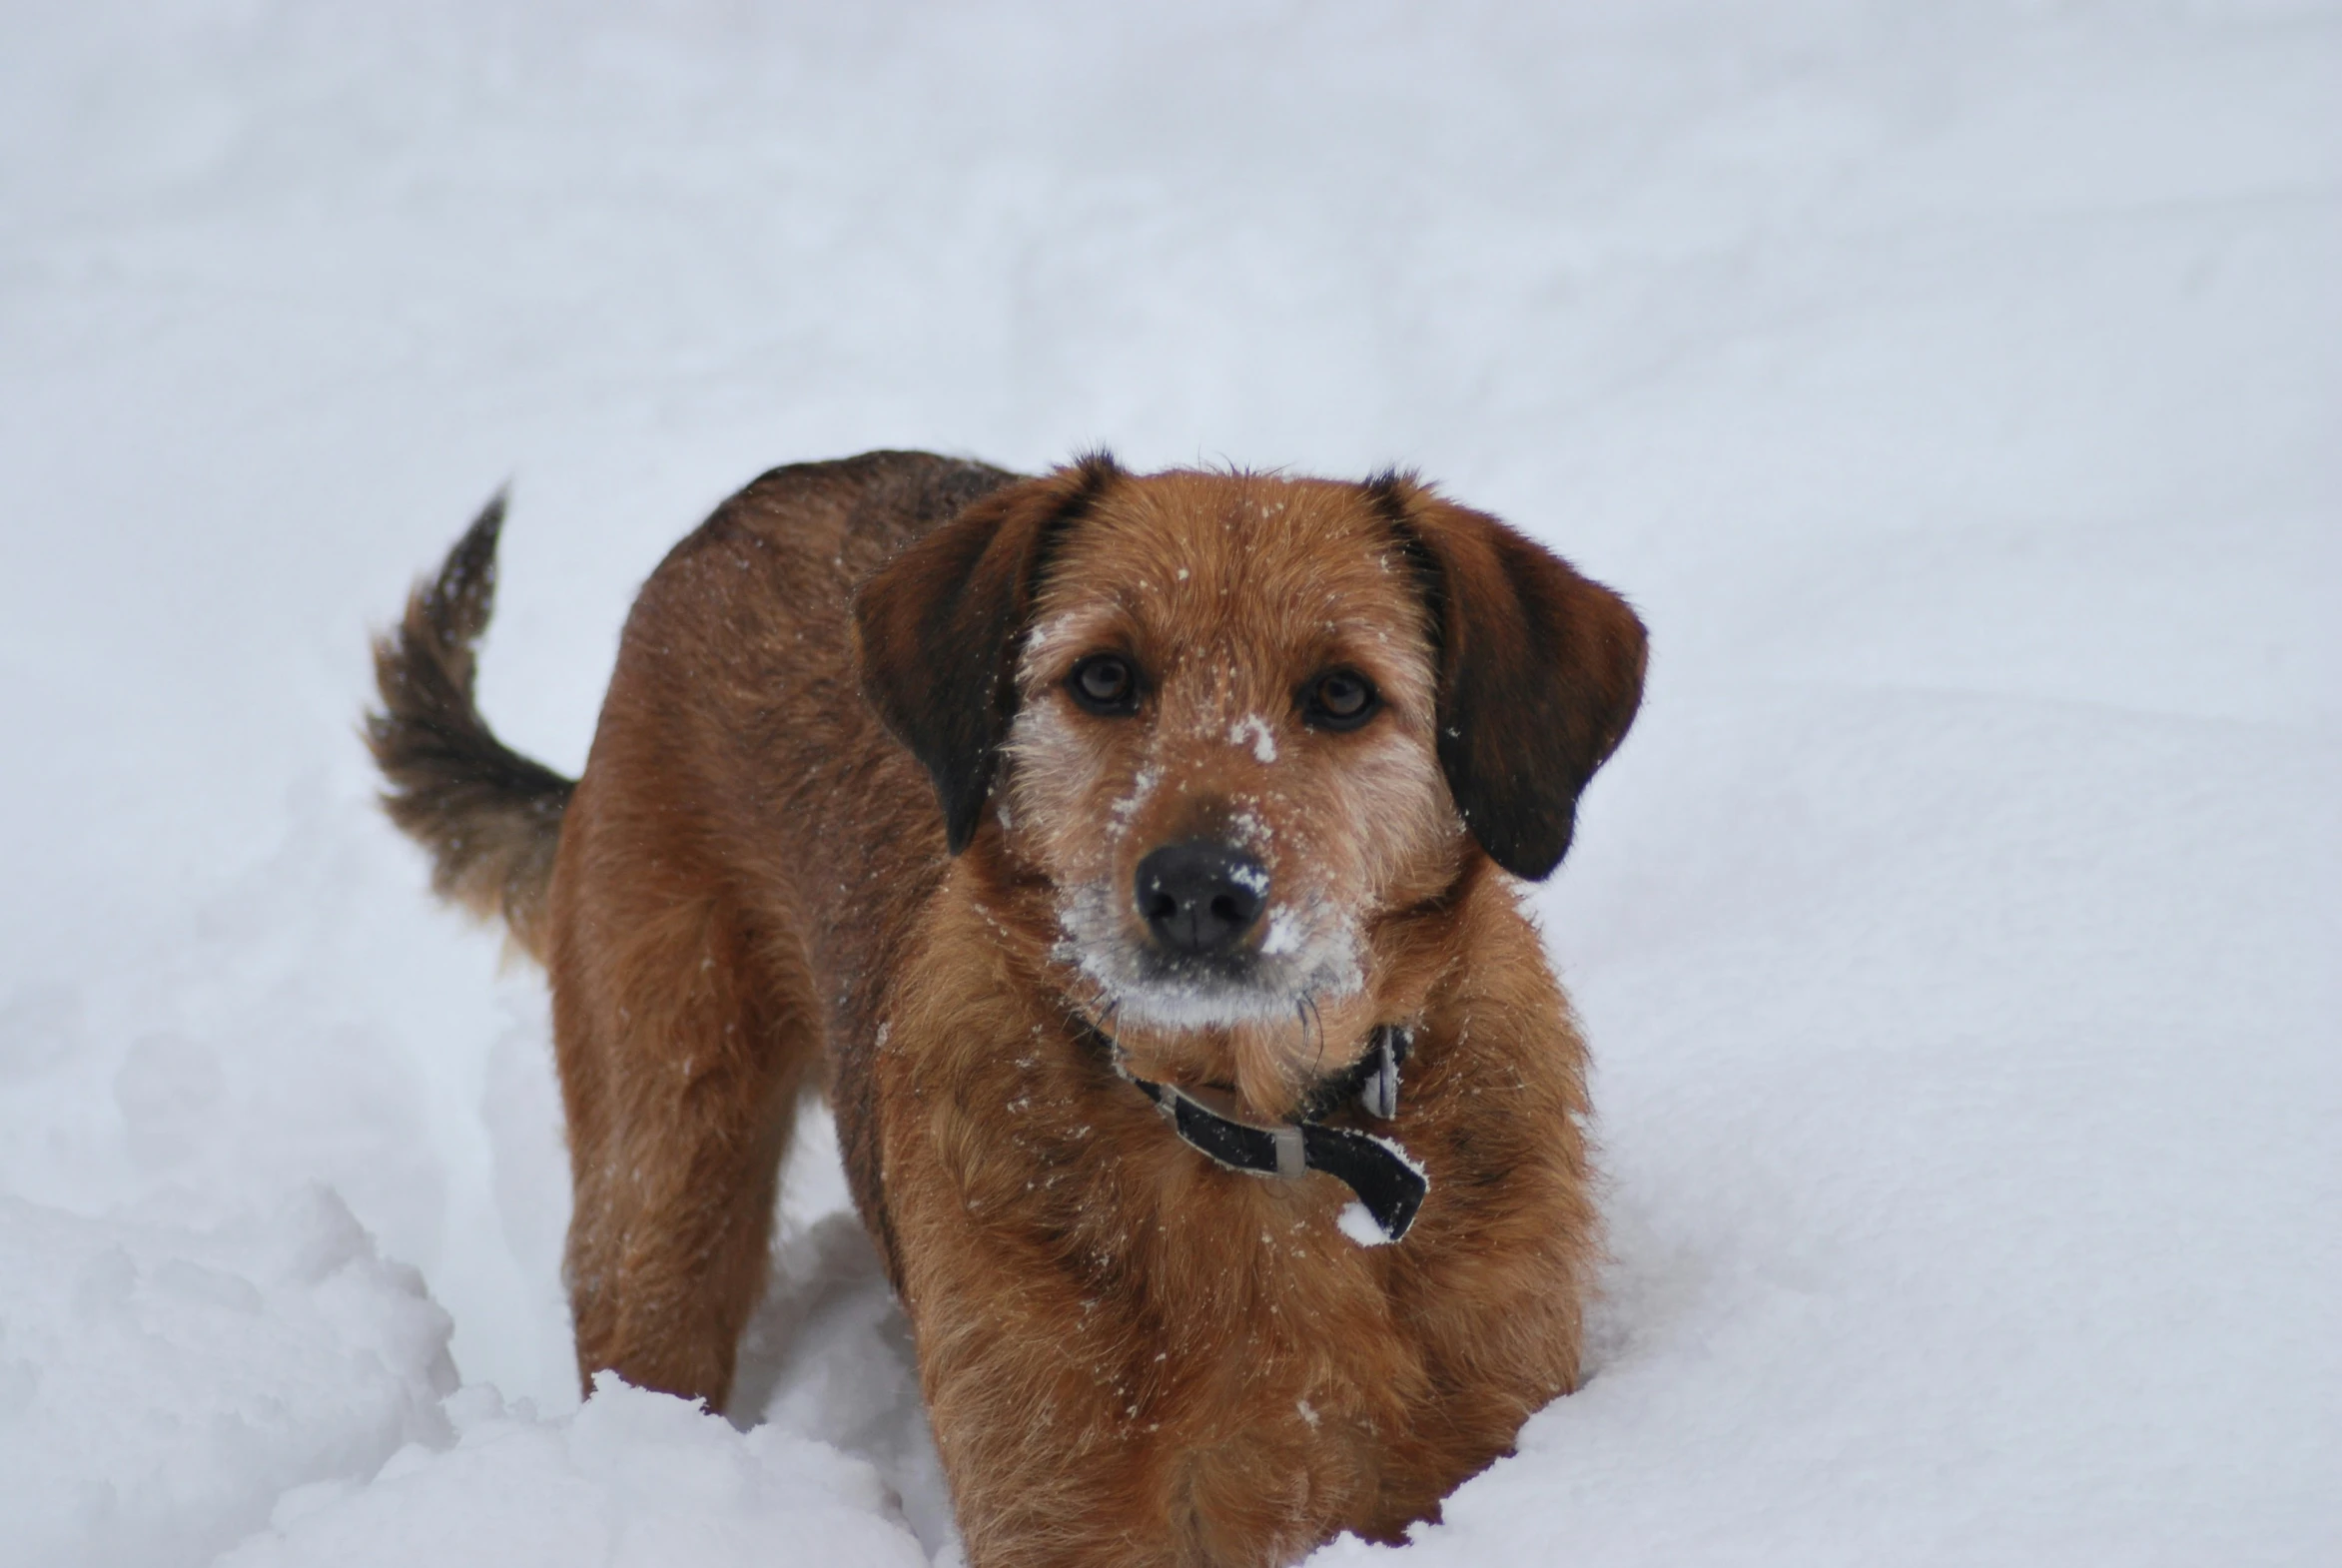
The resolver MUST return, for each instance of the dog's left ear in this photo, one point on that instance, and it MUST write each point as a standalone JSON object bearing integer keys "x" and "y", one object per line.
{"x": 1541, "y": 673}
{"x": 937, "y": 630}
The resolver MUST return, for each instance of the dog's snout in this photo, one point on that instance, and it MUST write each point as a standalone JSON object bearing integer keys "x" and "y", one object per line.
{"x": 1201, "y": 896}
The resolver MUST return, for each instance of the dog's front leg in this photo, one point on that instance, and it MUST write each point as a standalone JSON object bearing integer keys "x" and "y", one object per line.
{"x": 1102, "y": 1391}
{"x": 1056, "y": 1423}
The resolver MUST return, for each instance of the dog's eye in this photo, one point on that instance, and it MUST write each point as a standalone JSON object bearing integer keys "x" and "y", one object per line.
{"x": 1340, "y": 699}
{"x": 1105, "y": 684}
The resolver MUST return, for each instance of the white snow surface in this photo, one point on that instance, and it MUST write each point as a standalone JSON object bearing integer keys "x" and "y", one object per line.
{"x": 632, "y": 1478}
{"x": 1955, "y": 389}
{"x": 158, "y": 1384}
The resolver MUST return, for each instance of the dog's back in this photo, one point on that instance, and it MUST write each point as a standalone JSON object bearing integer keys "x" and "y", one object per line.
{"x": 798, "y": 539}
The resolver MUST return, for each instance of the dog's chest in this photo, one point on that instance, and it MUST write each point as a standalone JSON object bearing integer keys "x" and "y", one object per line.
{"x": 1233, "y": 1301}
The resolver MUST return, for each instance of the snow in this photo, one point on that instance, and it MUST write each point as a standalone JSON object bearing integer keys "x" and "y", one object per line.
{"x": 1264, "y": 739}
{"x": 1358, "y": 1222}
{"x": 635, "y": 1478}
{"x": 1953, "y": 389}
{"x": 161, "y": 1387}
{"x": 1284, "y": 934}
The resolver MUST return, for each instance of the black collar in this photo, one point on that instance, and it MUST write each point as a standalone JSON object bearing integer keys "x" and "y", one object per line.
{"x": 1389, "y": 1182}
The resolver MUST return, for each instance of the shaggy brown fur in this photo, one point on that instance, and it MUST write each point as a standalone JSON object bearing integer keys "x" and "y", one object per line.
{"x": 845, "y": 820}
{"x": 489, "y": 816}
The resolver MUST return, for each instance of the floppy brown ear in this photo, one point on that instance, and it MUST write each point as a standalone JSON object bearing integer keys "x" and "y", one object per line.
{"x": 1541, "y": 673}
{"x": 937, "y": 630}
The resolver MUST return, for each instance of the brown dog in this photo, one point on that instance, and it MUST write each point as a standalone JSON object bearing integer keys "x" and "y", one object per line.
{"x": 1102, "y": 844}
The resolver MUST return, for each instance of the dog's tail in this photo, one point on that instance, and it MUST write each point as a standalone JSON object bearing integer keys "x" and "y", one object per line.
{"x": 491, "y": 817}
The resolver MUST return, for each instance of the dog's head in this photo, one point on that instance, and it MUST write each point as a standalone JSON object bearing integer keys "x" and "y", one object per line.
{"x": 1238, "y": 724}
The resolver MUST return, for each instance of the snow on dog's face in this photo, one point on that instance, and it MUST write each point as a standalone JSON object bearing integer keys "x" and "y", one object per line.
{"x": 1234, "y": 731}
{"x": 1224, "y": 759}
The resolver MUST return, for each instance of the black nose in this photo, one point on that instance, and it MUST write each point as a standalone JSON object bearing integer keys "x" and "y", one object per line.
{"x": 1200, "y": 897}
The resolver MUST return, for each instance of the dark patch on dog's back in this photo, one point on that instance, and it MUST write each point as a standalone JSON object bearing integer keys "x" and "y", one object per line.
{"x": 890, "y": 497}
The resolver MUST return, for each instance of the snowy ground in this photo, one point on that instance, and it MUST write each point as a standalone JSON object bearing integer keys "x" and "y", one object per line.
{"x": 1956, "y": 389}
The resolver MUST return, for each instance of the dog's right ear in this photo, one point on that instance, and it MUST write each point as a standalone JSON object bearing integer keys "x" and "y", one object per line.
{"x": 937, "y": 630}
